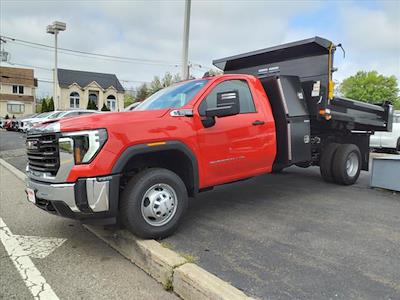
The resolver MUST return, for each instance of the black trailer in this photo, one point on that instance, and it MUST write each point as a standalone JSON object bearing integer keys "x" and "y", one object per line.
{"x": 313, "y": 126}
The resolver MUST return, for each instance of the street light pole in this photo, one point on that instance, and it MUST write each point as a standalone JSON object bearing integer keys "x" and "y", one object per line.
{"x": 55, "y": 77}
{"x": 185, "y": 49}
{"x": 55, "y": 28}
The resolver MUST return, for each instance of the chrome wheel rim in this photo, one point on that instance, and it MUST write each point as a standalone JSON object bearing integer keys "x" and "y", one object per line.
{"x": 159, "y": 204}
{"x": 352, "y": 164}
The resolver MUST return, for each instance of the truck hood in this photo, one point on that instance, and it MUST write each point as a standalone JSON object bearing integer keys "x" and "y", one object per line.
{"x": 104, "y": 120}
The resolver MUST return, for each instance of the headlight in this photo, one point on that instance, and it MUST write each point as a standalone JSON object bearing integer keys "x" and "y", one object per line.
{"x": 85, "y": 144}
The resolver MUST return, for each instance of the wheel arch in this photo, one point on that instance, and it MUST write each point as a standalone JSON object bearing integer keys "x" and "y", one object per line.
{"x": 172, "y": 155}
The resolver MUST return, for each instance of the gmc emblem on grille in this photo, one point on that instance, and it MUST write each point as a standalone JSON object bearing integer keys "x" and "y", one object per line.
{"x": 31, "y": 145}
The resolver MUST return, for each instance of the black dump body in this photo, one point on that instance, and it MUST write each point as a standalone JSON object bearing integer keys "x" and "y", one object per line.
{"x": 297, "y": 78}
{"x": 311, "y": 60}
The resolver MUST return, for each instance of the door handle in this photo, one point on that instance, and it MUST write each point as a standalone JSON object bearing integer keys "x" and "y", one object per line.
{"x": 258, "y": 122}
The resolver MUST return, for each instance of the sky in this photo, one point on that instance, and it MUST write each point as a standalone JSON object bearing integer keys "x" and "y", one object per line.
{"x": 152, "y": 31}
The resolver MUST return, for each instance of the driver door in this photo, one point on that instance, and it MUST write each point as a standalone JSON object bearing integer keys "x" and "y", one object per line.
{"x": 235, "y": 146}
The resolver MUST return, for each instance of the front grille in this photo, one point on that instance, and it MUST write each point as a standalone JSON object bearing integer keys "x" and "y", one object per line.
{"x": 43, "y": 153}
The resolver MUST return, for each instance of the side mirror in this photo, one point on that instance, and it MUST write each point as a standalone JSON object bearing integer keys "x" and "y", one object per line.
{"x": 227, "y": 105}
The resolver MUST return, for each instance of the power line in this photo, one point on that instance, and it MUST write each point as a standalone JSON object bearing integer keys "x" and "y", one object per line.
{"x": 29, "y": 66}
{"x": 71, "y": 51}
{"x": 49, "y": 69}
{"x": 87, "y": 54}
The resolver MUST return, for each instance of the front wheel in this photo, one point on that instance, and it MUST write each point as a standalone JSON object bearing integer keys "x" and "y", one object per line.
{"x": 153, "y": 203}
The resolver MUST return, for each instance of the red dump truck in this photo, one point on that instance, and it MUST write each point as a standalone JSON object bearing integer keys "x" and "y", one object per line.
{"x": 272, "y": 108}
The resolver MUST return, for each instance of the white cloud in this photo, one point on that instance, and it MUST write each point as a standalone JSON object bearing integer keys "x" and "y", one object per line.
{"x": 153, "y": 30}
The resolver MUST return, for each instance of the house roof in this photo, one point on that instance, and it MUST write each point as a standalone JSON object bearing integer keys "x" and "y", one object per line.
{"x": 83, "y": 78}
{"x": 11, "y": 75}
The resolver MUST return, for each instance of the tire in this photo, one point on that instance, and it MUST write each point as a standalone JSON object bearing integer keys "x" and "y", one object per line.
{"x": 347, "y": 164}
{"x": 167, "y": 200}
{"x": 398, "y": 146}
{"x": 326, "y": 162}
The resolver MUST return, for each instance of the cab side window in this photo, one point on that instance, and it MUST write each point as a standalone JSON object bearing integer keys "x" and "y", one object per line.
{"x": 245, "y": 99}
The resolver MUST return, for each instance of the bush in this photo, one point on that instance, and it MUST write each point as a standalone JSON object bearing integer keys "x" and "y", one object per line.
{"x": 50, "y": 105}
{"x": 91, "y": 105}
{"x": 105, "y": 108}
{"x": 44, "y": 106}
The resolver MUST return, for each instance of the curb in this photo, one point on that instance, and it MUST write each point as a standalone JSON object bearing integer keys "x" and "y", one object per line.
{"x": 174, "y": 272}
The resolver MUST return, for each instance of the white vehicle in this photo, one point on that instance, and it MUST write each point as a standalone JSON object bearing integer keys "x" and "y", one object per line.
{"x": 29, "y": 123}
{"x": 21, "y": 122}
{"x": 388, "y": 140}
{"x": 75, "y": 113}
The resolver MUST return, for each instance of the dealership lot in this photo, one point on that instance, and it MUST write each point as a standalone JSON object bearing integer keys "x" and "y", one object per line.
{"x": 281, "y": 236}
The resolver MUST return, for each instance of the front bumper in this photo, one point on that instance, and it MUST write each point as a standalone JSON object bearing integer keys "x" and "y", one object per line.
{"x": 86, "y": 199}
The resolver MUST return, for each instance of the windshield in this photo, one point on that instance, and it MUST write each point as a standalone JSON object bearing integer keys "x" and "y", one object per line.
{"x": 42, "y": 115}
{"x": 55, "y": 115}
{"x": 174, "y": 96}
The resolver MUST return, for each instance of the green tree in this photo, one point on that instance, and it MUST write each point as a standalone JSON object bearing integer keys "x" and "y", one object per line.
{"x": 105, "y": 108}
{"x": 128, "y": 99}
{"x": 44, "y": 105}
{"x": 50, "y": 105}
{"x": 167, "y": 80}
{"x": 38, "y": 108}
{"x": 155, "y": 85}
{"x": 213, "y": 72}
{"x": 371, "y": 87}
{"x": 142, "y": 92}
{"x": 91, "y": 105}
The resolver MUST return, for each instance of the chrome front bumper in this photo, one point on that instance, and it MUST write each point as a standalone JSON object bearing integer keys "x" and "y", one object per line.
{"x": 85, "y": 199}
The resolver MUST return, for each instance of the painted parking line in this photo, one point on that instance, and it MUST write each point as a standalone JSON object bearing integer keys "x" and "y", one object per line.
{"x": 20, "y": 249}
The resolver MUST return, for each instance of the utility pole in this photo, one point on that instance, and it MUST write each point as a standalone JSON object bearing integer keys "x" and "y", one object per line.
{"x": 55, "y": 28}
{"x": 185, "y": 49}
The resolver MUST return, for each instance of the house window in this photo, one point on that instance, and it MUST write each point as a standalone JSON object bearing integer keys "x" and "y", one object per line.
{"x": 18, "y": 89}
{"x": 74, "y": 100}
{"x": 111, "y": 103}
{"x": 15, "y": 108}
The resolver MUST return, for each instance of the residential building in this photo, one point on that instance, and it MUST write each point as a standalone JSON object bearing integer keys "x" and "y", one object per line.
{"x": 76, "y": 88}
{"x": 17, "y": 92}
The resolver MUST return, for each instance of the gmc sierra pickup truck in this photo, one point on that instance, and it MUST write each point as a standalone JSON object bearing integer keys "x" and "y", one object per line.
{"x": 272, "y": 108}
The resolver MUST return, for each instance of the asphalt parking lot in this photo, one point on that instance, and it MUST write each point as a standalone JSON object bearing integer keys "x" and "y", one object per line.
{"x": 285, "y": 236}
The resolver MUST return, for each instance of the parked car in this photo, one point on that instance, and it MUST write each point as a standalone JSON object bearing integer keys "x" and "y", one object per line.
{"x": 28, "y": 124}
{"x": 21, "y": 121}
{"x": 7, "y": 125}
{"x": 141, "y": 166}
{"x": 75, "y": 113}
{"x": 388, "y": 141}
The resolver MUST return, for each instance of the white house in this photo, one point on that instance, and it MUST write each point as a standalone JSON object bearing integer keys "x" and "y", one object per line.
{"x": 76, "y": 88}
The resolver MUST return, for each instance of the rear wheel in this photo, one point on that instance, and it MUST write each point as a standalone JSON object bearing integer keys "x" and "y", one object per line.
{"x": 153, "y": 203}
{"x": 326, "y": 162}
{"x": 347, "y": 164}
